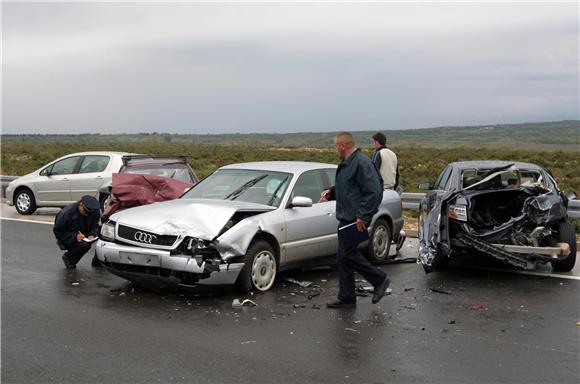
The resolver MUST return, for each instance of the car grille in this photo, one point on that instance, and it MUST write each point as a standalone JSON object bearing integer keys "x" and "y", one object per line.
{"x": 144, "y": 237}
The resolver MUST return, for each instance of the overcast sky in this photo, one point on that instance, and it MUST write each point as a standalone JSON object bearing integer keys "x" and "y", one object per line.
{"x": 285, "y": 67}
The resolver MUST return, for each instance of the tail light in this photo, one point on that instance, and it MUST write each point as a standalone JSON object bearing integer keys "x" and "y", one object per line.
{"x": 457, "y": 212}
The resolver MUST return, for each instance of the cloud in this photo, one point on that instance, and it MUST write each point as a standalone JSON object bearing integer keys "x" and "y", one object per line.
{"x": 259, "y": 67}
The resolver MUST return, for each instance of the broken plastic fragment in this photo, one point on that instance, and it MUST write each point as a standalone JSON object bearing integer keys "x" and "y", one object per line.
{"x": 248, "y": 303}
{"x": 303, "y": 284}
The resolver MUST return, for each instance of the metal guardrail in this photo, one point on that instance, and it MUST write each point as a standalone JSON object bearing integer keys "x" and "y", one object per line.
{"x": 412, "y": 201}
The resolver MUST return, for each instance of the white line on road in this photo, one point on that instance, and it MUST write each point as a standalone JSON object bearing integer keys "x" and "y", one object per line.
{"x": 27, "y": 221}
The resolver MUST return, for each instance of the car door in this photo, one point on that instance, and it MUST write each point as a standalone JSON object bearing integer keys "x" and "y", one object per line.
{"x": 53, "y": 186}
{"x": 90, "y": 176}
{"x": 310, "y": 231}
{"x": 430, "y": 220}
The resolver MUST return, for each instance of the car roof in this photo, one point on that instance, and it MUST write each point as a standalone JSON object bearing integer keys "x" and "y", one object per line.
{"x": 141, "y": 162}
{"x": 489, "y": 164}
{"x": 280, "y": 166}
{"x": 98, "y": 153}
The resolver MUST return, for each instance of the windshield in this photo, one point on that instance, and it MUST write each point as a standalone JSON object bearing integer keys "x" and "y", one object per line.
{"x": 261, "y": 187}
{"x": 173, "y": 171}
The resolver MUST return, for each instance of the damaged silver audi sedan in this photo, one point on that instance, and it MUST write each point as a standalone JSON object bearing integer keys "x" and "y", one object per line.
{"x": 511, "y": 211}
{"x": 240, "y": 225}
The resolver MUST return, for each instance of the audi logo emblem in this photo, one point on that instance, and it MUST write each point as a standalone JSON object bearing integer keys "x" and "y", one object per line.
{"x": 144, "y": 237}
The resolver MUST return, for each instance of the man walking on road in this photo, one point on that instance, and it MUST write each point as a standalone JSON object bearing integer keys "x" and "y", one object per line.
{"x": 358, "y": 193}
{"x": 386, "y": 161}
{"x": 76, "y": 226}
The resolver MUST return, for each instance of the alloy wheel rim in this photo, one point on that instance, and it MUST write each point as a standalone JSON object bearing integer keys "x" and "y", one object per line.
{"x": 263, "y": 271}
{"x": 23, "y": 201}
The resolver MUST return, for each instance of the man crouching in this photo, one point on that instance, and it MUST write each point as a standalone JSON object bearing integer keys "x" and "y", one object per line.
{"x": 76, "y": 226}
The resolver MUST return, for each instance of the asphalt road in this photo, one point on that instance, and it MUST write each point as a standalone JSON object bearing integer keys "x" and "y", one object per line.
{"x": 460, "y": 325}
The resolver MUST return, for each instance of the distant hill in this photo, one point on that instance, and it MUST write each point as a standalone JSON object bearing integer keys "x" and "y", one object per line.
{"x": 560, "y": 135}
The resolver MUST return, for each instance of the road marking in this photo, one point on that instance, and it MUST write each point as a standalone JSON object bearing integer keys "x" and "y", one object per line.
{"x": 27, "y": 221}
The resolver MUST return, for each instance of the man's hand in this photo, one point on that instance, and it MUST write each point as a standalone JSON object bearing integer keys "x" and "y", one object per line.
{"x": 360, "y": 224}
{"x": 324, "y": 195}
{"x": 80, "y": 236}
{"x": 91, "y": 237}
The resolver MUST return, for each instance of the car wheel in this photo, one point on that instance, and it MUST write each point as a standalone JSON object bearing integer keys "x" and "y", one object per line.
{"x": 24, "y": 201}
{"x": 566, "y": 235}
{"x": 380, "y": 241}
{"x": 259, "y": 271}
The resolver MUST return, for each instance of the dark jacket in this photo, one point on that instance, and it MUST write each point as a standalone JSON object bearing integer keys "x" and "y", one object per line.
{"x": 68, "y": 222}
{"x": 358, "y": 189}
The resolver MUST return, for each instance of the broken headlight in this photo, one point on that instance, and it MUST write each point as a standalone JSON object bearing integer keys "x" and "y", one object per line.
{"x": 457, "y": 212}
{"x": 108, "y": 231}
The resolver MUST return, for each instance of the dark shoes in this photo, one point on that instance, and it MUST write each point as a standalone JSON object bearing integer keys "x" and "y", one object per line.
{"x": 381, "y": 290}
{"x": 68, "y": 264}
{"x": 340, "y": 304}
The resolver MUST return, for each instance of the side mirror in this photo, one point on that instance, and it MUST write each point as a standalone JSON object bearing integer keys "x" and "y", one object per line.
{"x": 425, "y": 186}
{"x": 301, "y": 201}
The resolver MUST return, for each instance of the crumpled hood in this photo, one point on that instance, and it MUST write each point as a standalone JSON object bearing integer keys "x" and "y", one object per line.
{"x": 202, "y": 218}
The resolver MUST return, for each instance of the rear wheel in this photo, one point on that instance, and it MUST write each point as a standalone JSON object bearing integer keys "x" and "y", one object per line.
{"x": 380, "y": 241}
{"x": 566, "y": 235}
{"x": 24, "y": 201}
{"x": 259, "y": 271}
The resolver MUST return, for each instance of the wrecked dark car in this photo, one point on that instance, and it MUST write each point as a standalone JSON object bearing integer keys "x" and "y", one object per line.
{"x": 240, "y": 226}
{"x": 510, "y": 211}
{"x": 145, "y": 179}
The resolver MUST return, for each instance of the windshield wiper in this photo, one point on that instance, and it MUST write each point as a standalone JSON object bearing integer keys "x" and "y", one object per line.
{"x": 273, "y": 198}
{"x": 235, "y": 194}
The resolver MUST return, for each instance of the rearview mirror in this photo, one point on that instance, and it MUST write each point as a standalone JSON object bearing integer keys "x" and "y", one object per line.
{"x": 301, "y": 201}
{"x": 426, "y": 186}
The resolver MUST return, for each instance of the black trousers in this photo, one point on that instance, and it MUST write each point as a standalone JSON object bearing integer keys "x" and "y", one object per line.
{"x": 74, "y": 252}
{"x": 350, "y": 261}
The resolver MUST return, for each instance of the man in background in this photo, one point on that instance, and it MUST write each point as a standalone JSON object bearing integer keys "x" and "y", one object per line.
{"x": 386, "y": 162}
{"x": 358, "y": 193}
{"x": 76, "y": 227}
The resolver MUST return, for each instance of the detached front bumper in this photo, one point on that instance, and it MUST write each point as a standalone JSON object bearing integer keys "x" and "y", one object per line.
{"x": 141, "y": 264}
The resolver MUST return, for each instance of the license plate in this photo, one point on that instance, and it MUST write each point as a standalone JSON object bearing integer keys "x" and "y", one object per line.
{"x": 139, "y": 259}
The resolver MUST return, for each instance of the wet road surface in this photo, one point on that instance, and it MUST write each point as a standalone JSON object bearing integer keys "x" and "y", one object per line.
{"x": 458, "y": 325}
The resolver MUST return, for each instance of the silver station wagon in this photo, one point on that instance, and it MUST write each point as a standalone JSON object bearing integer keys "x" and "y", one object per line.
{"x": 240, "y": 225}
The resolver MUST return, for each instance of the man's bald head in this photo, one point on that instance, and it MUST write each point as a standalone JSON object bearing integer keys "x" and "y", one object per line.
{"x": 344, "y": 143}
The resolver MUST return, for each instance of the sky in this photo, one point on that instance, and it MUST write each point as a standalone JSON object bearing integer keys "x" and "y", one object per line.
{"x": 266, "y": 67}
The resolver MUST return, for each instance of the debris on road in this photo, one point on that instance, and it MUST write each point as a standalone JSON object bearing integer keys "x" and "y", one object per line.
{"x": 75, "y": 283}
{"x": 477, "y": 308}
{"x": 352, "y": 330}
{"x": 249, "y": 303}
{"x": 303, "y": 284}
{"x": 439, "y": 291}
{"x": 248, "y": 342}
{"x": 409, "y": 289}
{"x": 312, "y": 295}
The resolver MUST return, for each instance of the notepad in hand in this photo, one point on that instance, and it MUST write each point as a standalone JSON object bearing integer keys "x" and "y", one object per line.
{"x": 349, "y": 236}
{"x": 87, "y": 240}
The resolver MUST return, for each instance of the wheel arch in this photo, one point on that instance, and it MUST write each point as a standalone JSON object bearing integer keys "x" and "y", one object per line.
{"x": 270, "y": 239}
{"x": 20, "y": 188}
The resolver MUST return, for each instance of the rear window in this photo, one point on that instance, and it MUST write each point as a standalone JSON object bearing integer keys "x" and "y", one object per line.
{"x": 509, "y": 179}
{"x": 172, "y": 171}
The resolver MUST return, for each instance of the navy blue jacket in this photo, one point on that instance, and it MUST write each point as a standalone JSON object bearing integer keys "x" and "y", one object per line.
{"x": 358, "y": 189}
{"x": 69, "y": 221}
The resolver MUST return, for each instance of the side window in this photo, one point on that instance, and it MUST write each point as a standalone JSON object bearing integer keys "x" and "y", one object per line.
{"x": 330, "y": 174}
{"x": 310, "y": 185}
{"x": 93, "y": 164}
{"x": 65, "y": 166}
{"x": 442, "y": 179}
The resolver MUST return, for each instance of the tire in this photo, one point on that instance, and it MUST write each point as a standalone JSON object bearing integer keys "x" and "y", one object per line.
{"x": 566, "y": 235}
{"x": 24, "y": 201}
{"x": 259, "y": 271}
{"x": 380, "y": 241}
